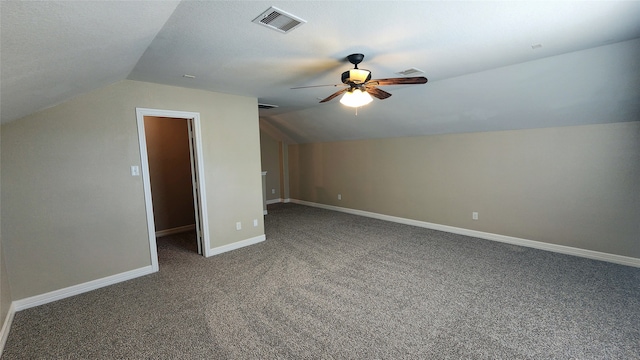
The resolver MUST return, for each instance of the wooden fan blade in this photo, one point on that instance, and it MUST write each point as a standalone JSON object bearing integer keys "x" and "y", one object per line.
{"x": 377, "y": 93}
{"x": 399, "y": 81}
{"x": 335, "y": 94}
{"x": 314, "y": 86}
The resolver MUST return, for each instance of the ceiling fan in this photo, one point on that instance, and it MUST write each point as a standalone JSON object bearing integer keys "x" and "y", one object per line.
{"x": 359, "y": 87}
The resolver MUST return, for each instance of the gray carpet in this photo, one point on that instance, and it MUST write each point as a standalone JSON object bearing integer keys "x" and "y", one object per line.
{"x": 328, "y": 285}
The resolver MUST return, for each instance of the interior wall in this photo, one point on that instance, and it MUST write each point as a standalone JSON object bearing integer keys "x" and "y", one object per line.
{"x": 5, "y": 290}
{"x": 284, "y": 163}
{"x": 270, "y": 152}
{"x": 575, "y": 186}
{"x": 170, "y": 172}
{"x": 72, "y": 211}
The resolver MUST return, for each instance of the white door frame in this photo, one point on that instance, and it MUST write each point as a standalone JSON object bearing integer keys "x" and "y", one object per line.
{"x": 195, "y": 186}
{"x": 146, "y": 179}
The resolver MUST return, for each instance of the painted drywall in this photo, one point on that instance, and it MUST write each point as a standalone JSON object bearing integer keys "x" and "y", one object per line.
{"x": 270, "y": 151}
{"x": 72, "y": 211}
{"x": 598, "y": 85}
{"x": 170, "y": 172}
{"x": 284, "y": 161}
{"x": 575, "y": 186}
{"x": 5, "y": 290}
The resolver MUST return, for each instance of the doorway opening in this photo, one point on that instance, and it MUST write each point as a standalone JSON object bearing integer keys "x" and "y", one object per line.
{"x": 171, "y": 158}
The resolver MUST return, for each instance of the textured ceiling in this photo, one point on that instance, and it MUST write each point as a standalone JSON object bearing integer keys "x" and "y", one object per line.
{"x": 51, "y": 51}
{"x": 484, "y": 72}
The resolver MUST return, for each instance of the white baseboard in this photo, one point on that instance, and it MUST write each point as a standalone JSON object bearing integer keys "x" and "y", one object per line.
{"x": 568, "y": 250}
{"x": 237, "y": 245}
{"x": 276, "y": 201}
{"x": 80, "y": 288}
{"x": 60, "y": 294}
{"x": 176, "y": 230}
{"x": 4, "y": 332}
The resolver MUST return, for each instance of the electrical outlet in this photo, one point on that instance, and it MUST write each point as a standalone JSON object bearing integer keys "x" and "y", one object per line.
{"x": 255, "y": 222}
{"x": 339, "y": 196}
{"x": 273, "y": 191}
{"x": 474, "y": 215}
{"x": 238, "y": 225}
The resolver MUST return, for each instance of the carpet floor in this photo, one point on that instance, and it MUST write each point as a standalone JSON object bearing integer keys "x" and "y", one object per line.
{"x": 329, "y": 285}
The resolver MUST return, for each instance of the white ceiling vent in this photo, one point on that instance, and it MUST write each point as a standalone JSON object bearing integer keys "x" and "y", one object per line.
{"x": 278, "y": 20}
{"x": 412, "y": 72}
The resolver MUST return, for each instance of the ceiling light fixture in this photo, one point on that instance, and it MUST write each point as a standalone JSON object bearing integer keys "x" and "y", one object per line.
{"x": 356, "y": 98}
{"x": 358, "y": 76}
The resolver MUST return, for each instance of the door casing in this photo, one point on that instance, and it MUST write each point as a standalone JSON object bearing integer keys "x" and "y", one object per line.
{"x": 146, "y": 179}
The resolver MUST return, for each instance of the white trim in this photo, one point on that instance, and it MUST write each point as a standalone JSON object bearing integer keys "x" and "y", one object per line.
{"x": 4, "y": 333}
{"x": 274, "y": 201}
{"x": 204, "y": 214}
{"x": 287, "y": 200}
{"x": 194, "y": 184}
{"x": 176, "y": 230}
{"x": 140, "y": 114}
{"x": 562, "y": 249}
{"x": 60, "y": 294}
{"x": 237, "y": 245}
{"x": 146, "y": 185}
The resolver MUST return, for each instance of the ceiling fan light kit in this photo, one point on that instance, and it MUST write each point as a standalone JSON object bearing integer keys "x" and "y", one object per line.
{"x": 357, "y": 76}
{"x": 361, "y": 87}
{"x": 356, "y": 98}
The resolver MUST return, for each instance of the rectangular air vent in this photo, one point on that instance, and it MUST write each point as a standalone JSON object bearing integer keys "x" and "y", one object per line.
{"x": 410, "y": 72}
{"x": 278, "y": 20}
{"x": 266, "y": 106}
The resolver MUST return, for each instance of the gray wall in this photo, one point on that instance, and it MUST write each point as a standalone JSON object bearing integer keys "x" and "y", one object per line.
{"x": 5, "y": 290}
{"x": 575, "y": 186}
{"x": 72, "y": 212}
{"x": 271, "y": 154}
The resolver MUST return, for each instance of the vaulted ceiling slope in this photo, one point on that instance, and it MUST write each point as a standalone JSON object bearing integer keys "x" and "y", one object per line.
{"x": 491, "y": 65}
